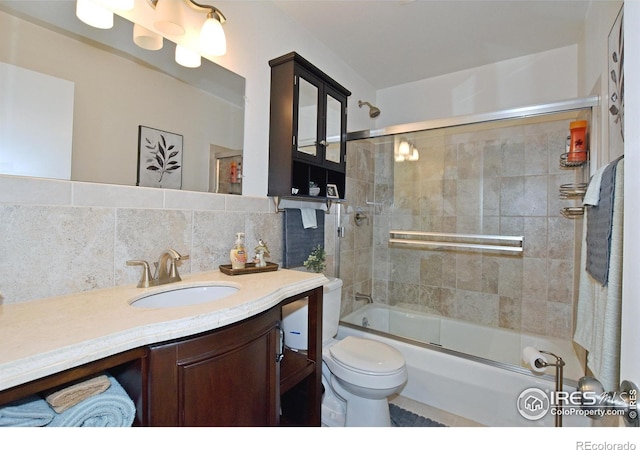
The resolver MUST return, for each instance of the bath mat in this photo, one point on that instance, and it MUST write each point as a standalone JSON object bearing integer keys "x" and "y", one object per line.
{"x": 403, "y": 418}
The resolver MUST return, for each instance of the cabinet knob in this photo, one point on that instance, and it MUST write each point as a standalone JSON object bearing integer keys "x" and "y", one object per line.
{"x": 323, "y": 143}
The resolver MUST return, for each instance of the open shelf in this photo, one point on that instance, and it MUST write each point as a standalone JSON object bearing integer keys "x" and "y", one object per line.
{"x": 294, "y": 368}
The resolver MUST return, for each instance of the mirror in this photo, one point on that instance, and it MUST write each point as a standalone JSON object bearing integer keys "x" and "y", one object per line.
{"x": 116, "y": 88}
{"x": 307, "y": 117}
{"x": 334, "y": 129}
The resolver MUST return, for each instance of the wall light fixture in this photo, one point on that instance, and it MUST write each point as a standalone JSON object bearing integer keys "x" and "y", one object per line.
{"x": 405, "y": 151}
{"x": 191, "y": 25}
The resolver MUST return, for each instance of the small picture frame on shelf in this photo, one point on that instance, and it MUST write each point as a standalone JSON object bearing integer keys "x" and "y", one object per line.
{"x": 332, "y": 191}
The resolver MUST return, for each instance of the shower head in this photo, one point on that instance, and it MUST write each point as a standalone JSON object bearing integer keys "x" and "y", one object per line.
{"x": 373, "y": 111}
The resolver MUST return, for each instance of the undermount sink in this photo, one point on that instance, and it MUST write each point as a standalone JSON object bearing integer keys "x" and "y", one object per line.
{"x": 185, "y": 296}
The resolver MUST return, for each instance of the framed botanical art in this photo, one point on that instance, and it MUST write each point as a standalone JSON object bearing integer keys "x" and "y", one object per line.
{"x": 159, "y": 158}
{"x": 616, "y": 87}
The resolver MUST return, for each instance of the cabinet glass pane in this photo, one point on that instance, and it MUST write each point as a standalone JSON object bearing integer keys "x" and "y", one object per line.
{"x": 334, "y": 128}
{"x": 307, "y": 117}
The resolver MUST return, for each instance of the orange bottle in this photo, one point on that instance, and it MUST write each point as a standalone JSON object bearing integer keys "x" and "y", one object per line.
{"x": 578, "y": 145}
{"x": 234, "y": 172}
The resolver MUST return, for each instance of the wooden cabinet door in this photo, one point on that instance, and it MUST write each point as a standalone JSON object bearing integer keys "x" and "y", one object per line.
{"x": 229, "y": 377}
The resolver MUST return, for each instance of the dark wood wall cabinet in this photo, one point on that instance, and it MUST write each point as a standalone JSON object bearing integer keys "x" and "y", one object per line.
{"x": 238, "y": 375}
{"x": 308, "y": 129}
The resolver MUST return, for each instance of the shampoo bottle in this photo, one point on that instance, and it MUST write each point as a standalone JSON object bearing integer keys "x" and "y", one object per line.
{"x": 238, "y": 254}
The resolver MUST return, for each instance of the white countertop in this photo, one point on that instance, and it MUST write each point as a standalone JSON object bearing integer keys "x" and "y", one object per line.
{"x": 46, "y": 336}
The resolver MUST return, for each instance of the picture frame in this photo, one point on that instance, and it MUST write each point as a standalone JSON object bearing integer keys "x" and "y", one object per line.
{"x": 332, "y": 191}
{"x": 159, "y": 158}
{"x": 616, "y": 86}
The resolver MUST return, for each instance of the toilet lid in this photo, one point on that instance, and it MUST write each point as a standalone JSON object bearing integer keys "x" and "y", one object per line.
{"x": 367, "y": 355}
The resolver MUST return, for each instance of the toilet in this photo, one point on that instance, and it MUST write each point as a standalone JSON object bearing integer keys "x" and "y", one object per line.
{"x": 358, "y": 374}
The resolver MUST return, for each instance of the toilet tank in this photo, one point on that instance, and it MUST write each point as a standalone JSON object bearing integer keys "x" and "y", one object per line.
{"x": 295, "y": 316}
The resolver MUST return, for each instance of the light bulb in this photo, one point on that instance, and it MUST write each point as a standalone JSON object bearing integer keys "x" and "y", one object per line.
{"x": 93, "y": 14}
{"x": 146, "y": 39}
{"x": 169, "y": 17}
{"x": 186, "y": 57}
{"x": 212, "y": 38}
{"x": 404, "y": 148}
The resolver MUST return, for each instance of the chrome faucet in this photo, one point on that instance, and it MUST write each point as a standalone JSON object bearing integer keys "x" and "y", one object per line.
{"x": 166, "y": 269}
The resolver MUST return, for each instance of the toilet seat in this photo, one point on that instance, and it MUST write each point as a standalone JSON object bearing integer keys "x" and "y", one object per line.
{"x": 360, "y": 363}
{"x": 367, "y": 356}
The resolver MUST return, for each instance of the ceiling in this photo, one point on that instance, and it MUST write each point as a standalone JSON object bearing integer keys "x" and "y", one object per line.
{"x": 392, "y": 42}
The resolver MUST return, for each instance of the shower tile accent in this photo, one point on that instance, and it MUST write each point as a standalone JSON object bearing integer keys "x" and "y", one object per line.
{"x": 499, "y": 179}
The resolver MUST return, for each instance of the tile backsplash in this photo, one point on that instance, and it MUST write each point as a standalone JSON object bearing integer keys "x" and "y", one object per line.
{"x": 61, "y": 237}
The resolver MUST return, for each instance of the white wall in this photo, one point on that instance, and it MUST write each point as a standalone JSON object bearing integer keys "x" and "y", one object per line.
{"x": 529, "y": 80}
{"x": 630, "y": 354}
{"x": 256, "y": 33}
{"x": 594, "y": 73}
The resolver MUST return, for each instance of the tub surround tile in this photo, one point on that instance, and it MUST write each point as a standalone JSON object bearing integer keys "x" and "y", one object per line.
{"x": 560, "y": 282}
{"x": 534, "y": 317}
{"x": 559, "y": 320}
{"x": 517, "y": 197}
{"x": 510, "y": 313}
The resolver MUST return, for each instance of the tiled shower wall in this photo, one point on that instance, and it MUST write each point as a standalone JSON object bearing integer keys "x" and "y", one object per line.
{"x": 356, "y": 247}
{"x": 500, "y": 181}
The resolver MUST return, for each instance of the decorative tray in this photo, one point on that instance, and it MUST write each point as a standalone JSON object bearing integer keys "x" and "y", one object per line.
{"x": 248, "y": 268}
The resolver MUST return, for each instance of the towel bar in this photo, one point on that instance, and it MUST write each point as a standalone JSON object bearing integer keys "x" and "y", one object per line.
{"x": 328, "y": 201}
{"x": 514, "y": 243}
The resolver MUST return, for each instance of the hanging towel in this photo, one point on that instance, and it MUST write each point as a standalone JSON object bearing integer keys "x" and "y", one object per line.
{"x": 308, "y": 218}
{"x": 298, "y": 242}
{"x": 599, "y": 226}
{"x": 112, "y": 408}
{"x": 30, "y": 411}
{"x": 592, "y": 196}
{"x": 62, "y": 399}
{"x": 598, "y": 312}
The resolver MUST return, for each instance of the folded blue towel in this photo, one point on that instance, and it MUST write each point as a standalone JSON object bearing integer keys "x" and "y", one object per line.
{"x": 112, "y": 408}
{"x": 32, "y": 411}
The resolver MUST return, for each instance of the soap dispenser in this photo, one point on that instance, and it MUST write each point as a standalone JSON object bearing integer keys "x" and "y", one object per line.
{"x": 238, "y": 253}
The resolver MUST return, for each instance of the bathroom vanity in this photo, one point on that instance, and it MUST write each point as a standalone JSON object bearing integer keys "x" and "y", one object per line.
{"x": 217, "y": 364}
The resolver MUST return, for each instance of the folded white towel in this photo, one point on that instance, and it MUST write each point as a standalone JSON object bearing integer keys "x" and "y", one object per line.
{"x": 592, "y": 196}
{"x": 309, "y": 218}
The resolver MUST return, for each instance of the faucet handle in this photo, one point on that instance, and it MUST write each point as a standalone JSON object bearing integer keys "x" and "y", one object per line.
{"x": 173, "y": 274}
{"x": 145, "y": 280}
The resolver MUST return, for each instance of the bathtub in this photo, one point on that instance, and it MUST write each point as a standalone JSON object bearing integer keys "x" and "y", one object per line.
{"x": 466, "y": 369}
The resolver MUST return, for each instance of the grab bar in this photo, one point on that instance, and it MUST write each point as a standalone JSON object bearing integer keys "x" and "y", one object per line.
{"x": 516, "y": 241}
